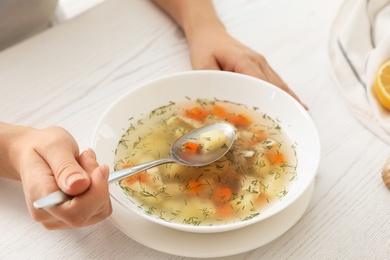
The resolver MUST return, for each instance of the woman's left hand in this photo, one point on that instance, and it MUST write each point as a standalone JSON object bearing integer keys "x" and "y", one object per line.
{"x": 215, "y": 49}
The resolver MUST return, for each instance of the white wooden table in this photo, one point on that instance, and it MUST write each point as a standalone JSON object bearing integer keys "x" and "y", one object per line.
{"x": 70, "y": 74}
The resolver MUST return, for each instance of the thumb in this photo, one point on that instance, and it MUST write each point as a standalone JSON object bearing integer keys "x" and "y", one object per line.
{"x": 70, "y": 177}
{"x": 73, "y": 180}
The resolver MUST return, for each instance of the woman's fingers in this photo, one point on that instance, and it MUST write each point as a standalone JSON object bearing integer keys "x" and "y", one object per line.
{"x": 86, "y": 209}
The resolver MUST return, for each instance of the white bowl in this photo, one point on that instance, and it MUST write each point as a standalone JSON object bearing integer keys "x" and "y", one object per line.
{"x": 141, "y": 100}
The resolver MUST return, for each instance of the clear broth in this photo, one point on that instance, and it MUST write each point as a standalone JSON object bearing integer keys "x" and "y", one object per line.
{"x": 252, "y": 176}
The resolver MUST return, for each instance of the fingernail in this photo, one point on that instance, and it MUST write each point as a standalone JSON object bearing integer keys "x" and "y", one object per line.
{"x": 105, "y": 171}
{"x": 91, "y": 153}
{"x": 74, "y": 178}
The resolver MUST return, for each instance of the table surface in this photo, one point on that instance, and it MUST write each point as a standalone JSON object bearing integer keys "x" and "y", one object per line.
{"x": 70, "y": 74}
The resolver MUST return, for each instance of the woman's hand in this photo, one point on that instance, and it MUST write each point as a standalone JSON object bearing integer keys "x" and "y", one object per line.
{"x": 213, "y": 48}
{"x": 48, "y": 160}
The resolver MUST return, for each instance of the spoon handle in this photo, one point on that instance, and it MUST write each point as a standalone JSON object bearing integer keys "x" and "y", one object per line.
{"x": 59, "y": 197}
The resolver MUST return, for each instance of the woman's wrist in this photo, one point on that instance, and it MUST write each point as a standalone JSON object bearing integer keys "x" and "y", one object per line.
{"x": 9, "y": 142}
{"x": 194, "y": 17}
{"x": 199, "y": 18}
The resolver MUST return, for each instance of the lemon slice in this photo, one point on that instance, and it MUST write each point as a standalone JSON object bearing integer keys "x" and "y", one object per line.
{"x": 382, "y": 85}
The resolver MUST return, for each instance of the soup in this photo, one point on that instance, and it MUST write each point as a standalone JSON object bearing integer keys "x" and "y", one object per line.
{"x": 254, "y": 174}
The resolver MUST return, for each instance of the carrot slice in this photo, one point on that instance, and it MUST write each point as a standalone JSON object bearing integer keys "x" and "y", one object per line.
{"x": 276, "y": 158}
{"x": 240, "y": 120}
{"x": 220, "y": 112}
{"x": 224, "y": 210}
{"x": 191, "y": 147}
{"x": 196, "y": 113}
{"x": 194, "y": 187}
{"x": 222, "y": 194}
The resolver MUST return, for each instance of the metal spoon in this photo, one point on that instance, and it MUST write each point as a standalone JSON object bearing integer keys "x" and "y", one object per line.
{"x": 177, "y": 156}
